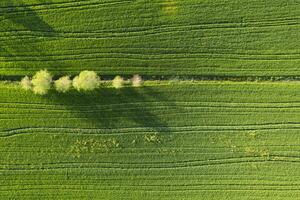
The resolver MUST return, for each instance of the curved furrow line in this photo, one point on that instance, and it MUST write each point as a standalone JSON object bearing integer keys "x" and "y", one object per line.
{"x": 86, "y": 2}
{"x": 253, "y": 186}
{"x": 156, "y": 51}
{"x": 159, "y": 54}
{"x": 149, "y": 59}
{"x": 187, "y": 57}
{"x": 222, "y": 127}
{"x": 140, "y": 57}
{"x": 26, "y": 39}
{"x": 148, "y": 166}
{"x": 163, "y": 190}
{"x": 238, "y": 23}
{"x": 167, "y": 28}
{"x": 169, "y": 48}
{"x": 163, "y": 110}
{"x": 44, "y": 4}
{"x": 137, "y": 130}
{"x": 116, "y": 36}
{"x": 254, "y": 104}
{"x": 241, "y": 158}
{"x": 161, "y": 115}
{"x": 145, "y": 70}
{"x": 193, "y": 177}
{"x": 166, "y": 112}
{"x": 188, "y": 24}
{"x": 278, "y": 149}
{"x": 156, "y": 106}
{"x": 70, "y": 6}
{"x": 144, "y": 153}
{"x": 115, "y": 152}
{"x": 103, "y": 152}
{"x": 166, "y": 185}
{"x": 163, "y": 49}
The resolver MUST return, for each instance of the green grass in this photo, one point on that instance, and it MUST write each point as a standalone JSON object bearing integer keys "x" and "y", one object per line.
{"x": 167, "y": 140}
{"x": 157, "y": 37}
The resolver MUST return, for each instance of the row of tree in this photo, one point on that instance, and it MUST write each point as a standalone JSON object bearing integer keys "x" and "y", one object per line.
{"x": 43, "y": 81}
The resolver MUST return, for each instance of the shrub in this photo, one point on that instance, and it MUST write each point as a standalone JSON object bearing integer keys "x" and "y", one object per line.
{"x": 136, "y": 81}
{"x": 86, "y": 80}
{"x": 118, "y": 82}
{"x": 41, "y": 82}
{"x": 26, "y": 83}
{"x": 153, "y": 138}
{"x": 63, "y": 84}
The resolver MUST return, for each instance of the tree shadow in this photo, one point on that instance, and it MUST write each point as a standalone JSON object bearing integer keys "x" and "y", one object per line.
{"x": 109, "y": 108}
{"x": 23, "y": 29}
{"x": 21, "y": 14}
{"x": 104, "y": 108}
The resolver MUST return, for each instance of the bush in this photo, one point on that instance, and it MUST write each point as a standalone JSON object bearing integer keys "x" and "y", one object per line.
{"x": 41, "y": 82}
{"x": 136, "y": 81}
{"x": 118, "y": 82}
{"x": 87, "y": 80}
{"x": 63, "y": 84}
{"x": 26, "y": 83}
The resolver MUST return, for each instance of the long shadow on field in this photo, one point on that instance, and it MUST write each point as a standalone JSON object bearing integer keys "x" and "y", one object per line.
{"x": 22, "y": 29}
{"x": 21, "y": 14}
{"x": 111, "y": 108}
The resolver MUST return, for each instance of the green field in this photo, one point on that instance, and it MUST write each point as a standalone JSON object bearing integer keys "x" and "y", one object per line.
{"x": 217, "y": 118}
{"x": 151, "y": 37}
{"x": 207, "y": 140}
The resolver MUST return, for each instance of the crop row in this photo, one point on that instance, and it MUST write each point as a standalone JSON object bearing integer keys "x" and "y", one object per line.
{"x": 160, "y": 37}
{"x": 208, "y": 139}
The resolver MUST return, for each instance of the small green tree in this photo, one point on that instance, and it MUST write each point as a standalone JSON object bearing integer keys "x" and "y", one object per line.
{"x": 41, "y": 82}
{"x": 63, "y": 84}
{"x": 136, "y": 81}
{"x": 118, "y": 82}
{"x": 86, "y": 81}
{"x": 26, "y": 83}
